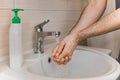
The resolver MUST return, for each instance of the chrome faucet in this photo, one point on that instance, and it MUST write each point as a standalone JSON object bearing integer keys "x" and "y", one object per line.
{"x": 40, "y": 35}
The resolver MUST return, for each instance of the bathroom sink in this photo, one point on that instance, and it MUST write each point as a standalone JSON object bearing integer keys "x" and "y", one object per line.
{"x": 86, "y": 64}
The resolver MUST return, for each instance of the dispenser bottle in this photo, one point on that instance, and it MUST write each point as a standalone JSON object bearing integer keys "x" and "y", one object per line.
{"x": 15, "y": 42}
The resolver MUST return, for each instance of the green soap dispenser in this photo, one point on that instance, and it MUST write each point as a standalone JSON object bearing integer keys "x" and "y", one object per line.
{"x": 15, "y": 41}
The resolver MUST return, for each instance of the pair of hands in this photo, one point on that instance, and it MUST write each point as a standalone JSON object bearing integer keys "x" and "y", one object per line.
{"x": 62, "y": 53}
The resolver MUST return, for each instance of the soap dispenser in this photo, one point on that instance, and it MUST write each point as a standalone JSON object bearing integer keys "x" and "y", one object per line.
{"x": 15, "y": 42}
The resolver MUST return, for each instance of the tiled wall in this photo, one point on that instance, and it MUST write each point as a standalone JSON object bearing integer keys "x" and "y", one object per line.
{"x": 5, "y": 16}
{"x": 63, "y": 14}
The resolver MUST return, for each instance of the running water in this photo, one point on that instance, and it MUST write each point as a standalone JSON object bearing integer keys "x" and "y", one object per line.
{"x": 57, "y": 40}
{"x": 60, "y": 71}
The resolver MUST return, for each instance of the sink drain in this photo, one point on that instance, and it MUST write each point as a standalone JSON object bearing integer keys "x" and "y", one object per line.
{"x": 49, "y": 60}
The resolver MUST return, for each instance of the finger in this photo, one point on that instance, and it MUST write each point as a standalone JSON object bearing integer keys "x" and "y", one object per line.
{"x": 55, "y": 51}
{"x": 66, "y": 59}
{"x": 55, "y": 59}
{"x": 60, "y": 48}
{"x": 64, "y": 53}
{"x": 67, "y": 51}
{"x": 60, "y": 61}
{"x": 69, "y": 58}
{"x": 65, "y": 63}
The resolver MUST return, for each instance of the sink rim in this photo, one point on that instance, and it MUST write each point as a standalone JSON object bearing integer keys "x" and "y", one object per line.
{"x": 110, "y": 74}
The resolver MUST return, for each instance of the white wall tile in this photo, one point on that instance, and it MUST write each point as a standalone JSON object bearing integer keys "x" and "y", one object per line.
{"x": 42, "y": 4}
{"x": 6, "y": 4}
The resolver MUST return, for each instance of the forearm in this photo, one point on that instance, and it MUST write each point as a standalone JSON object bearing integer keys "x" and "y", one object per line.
{"x": 105, "y": 25}
{"x": 90, "y": 15}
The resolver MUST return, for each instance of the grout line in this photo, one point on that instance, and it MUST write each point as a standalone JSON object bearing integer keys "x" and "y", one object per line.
{"x": 13, "y": 3}
{"x": 39, "y": 9}
{"x": 5, "y": 8}
{"x": 67, "y": 4}
{"x": 52, "y": 10}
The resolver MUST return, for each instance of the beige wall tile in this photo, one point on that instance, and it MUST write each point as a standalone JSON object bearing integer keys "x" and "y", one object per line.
{"x": 27, "y": 46}
{"x": 5, "y": 16}
{"x": 6, "y": 4}
{"x": 32, "y": 18}
{"x": 4, "y": 51}
{"x": 76, "y": 4}
{"x": 51, "y": 4}
{"x": 4, "y": 44}
{"x": 4, "y": 36}
{"x": 42, "y": 4}
{"x": 4, "y": 27}
{"x": 5, "y": 19}
{"x": 59, "y": 21}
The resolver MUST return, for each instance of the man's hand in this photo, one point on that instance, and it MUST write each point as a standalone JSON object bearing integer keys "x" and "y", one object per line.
{"x": 62, "y": 53}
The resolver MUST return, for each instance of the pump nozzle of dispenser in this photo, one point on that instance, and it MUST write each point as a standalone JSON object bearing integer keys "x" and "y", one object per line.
{"x": 16, "y": 19}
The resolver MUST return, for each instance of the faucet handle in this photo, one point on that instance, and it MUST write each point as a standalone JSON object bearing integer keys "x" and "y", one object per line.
{"x": 43, "y": 23}
{"x": 40, "y": 26}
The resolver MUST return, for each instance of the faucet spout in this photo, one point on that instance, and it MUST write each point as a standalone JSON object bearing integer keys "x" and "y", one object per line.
{"x": 54, "y": 33}
{"x": 40, "y": 35}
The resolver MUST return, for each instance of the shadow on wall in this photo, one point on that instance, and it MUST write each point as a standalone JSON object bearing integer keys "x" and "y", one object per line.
{"x": 117, "y": 4}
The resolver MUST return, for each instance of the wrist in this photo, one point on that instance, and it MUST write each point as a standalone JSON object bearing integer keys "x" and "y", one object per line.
{"x": 75, "y": 36}
{"x": 79, "y": 36}
{"x": 83, "y": 35}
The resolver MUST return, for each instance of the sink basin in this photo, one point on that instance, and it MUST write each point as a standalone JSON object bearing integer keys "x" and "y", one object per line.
{"x": 86, "y": 64}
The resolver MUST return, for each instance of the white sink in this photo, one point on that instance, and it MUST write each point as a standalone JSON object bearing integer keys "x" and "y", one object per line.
{"x": 86, "y": 64}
